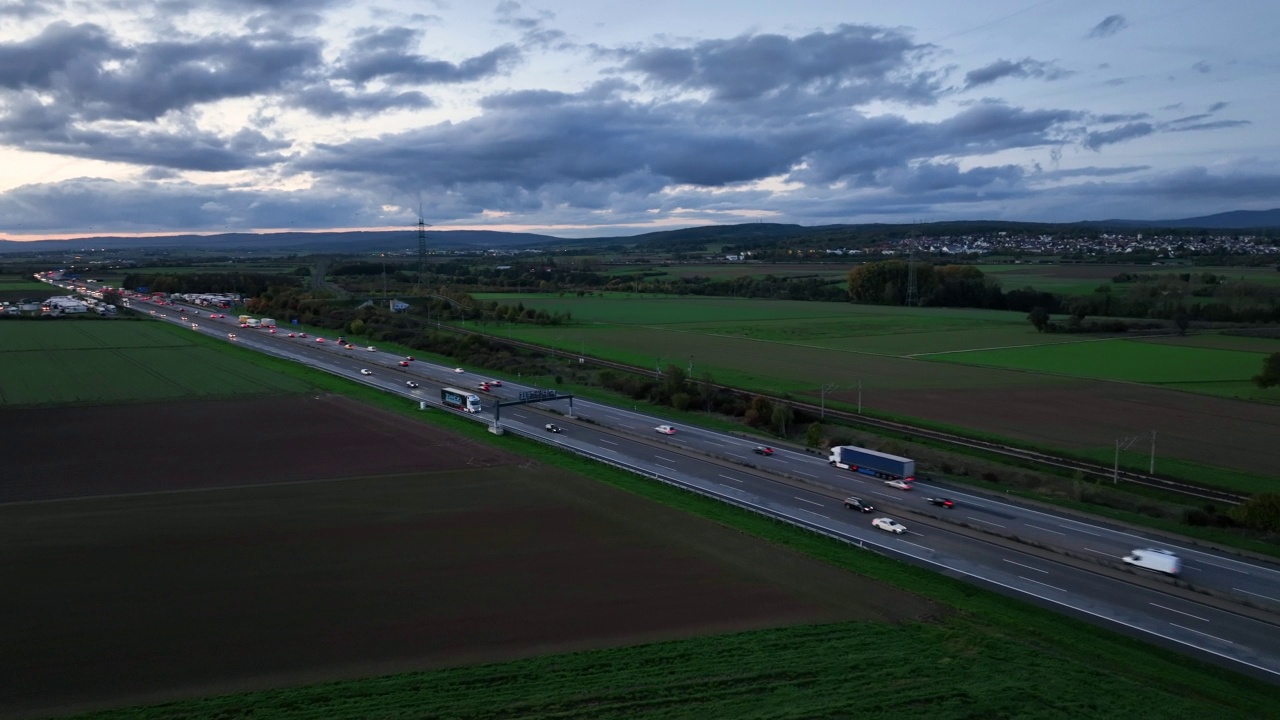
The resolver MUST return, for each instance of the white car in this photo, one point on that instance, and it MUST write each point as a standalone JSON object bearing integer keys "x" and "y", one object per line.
{"x": 900, "y": 484}
{"x": 366, "y": 371}
{"x": 666, "y": 429}
{"x": 458, "y": 370}
{"x": 410, "y": 383}
{"x": 372, "y": 349}
{"x": 889, "y": 525}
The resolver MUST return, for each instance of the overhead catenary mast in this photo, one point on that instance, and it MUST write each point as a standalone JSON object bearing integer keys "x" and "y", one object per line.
{"x": 422, "y": 247}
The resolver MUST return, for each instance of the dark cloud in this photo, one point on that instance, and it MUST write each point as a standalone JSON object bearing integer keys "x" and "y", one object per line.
{"x": 1109, "y": 26}
{"x": 1215, "y": 125}
{"x": 395, "y": 65}
{"x": 187, "y": 149}
{"x": 1096, "y": 140}
{"x": 1024, "y": 68}
{"x": 326, "y": 101}
{"x": 875, "y": 63}
{"x": 60, "y": 51}
{"x": 932, "y": 177}
{"x": 1201, "y": 67}
{"x": 83, "y": 68}
{"x": 1091, "y": 171}
{"x": 1122, "y": 117}
{"x": 87, "y": 204}
{"x": 1218, "y": 106}
{"x": 532, "y": 25}
{"x": 27, "y": 9}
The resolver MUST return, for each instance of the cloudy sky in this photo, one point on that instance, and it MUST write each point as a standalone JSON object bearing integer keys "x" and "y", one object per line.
{"x": 614, "y": 118}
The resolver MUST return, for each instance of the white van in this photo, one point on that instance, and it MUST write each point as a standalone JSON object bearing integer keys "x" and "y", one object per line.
{"x": 1161, "y": 561}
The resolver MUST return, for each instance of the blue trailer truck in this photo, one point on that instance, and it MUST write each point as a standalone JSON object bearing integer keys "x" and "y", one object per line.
{"x": 870, "y": 462}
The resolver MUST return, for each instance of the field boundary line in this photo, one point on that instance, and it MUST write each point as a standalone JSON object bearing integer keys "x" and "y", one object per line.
{"x": 1030, "y": 345}
{"x": 183, "y": 491}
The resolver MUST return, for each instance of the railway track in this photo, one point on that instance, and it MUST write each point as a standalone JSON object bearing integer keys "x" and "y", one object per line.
{"x": 1006, "y": 451}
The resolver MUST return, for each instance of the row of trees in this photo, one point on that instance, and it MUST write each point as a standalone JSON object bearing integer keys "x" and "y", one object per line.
{"x": 248, "y": 284}
{"x": 676, "y": 389}
{"x": 1156, "y": 297}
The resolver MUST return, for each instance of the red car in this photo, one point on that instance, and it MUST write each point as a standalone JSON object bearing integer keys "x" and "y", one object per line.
{"x": 404, "y": 363}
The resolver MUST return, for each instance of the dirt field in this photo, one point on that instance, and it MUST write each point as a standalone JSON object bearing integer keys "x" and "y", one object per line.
{"x": 1208, "y": 430}
{"x": 473, "y": 556}
{"x": 182, "y": 446}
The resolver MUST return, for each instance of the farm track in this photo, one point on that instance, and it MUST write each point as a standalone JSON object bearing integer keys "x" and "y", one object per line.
{"x": 1058, "y": 462}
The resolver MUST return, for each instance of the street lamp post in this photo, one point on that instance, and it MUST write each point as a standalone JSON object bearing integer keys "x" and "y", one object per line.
{"x": 1152, "y": 470}
{"x": 658, "y": 366}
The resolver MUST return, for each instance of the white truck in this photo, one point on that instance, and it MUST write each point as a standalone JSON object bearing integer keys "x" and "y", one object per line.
{"x": 268, "y": 322}
{"x": 1161, "y": 561}
{"x": 253, "y": 322}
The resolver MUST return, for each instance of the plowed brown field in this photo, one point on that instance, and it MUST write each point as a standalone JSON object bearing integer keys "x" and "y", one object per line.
{"x": 178, "y": 550}
{"x": 1207, "y": 430}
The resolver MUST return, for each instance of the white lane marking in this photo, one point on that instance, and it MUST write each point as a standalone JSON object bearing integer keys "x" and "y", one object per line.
{"x": 1086, "y": 532}
{"x": 1189, "y": 566}
{"x": 735, "y": 455}
{"x": 824, "y": 517}
{"x": 1055, "y": 587}
{"x": 664, "y": 459}
{"x": 1097, "y": 551}
{"x": 608, "y": 442}
{"x": 665, "y": 467}
{"x": 1055, "y": 532}
{"x": 801, "y": 472}
{"x": 1224, "y": 567}
{"x": 726, "y": 477}
{"x": 1046, "y": 572}
{"x": 984, "y": 521}
{"x": 877, "y": 492}
{"x": 1162, "y": 607}
{"x": 1264, "y": 597}
{"x": 919, "y": 546}
{"x": 808, "y": 501}
{"x": 1215, "y": 637}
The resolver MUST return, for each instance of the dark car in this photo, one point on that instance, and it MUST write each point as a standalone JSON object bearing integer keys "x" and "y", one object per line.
{"x": 854, "y": 503}
{"x": 762, "y": 450}
{"x": 940, "y": 502}
{"x": 552, "y": 427}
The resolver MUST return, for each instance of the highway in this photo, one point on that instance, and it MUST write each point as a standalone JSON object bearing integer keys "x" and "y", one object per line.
{"x": 1224, "y": 608}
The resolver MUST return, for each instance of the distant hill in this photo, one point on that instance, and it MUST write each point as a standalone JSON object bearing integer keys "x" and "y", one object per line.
{"x": 684, "y": 239}
{"x": 1234, "y": 220}
{"x": 337, "y": 242}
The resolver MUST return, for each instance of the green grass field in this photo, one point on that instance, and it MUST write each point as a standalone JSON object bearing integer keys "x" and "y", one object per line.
{"x": 836, "y": 326}
{"x": 1085, "y": 279}
{"x": 723, "y": 271}
{"x": 100, "y": 362}
{"x": 1119, "y": 359}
